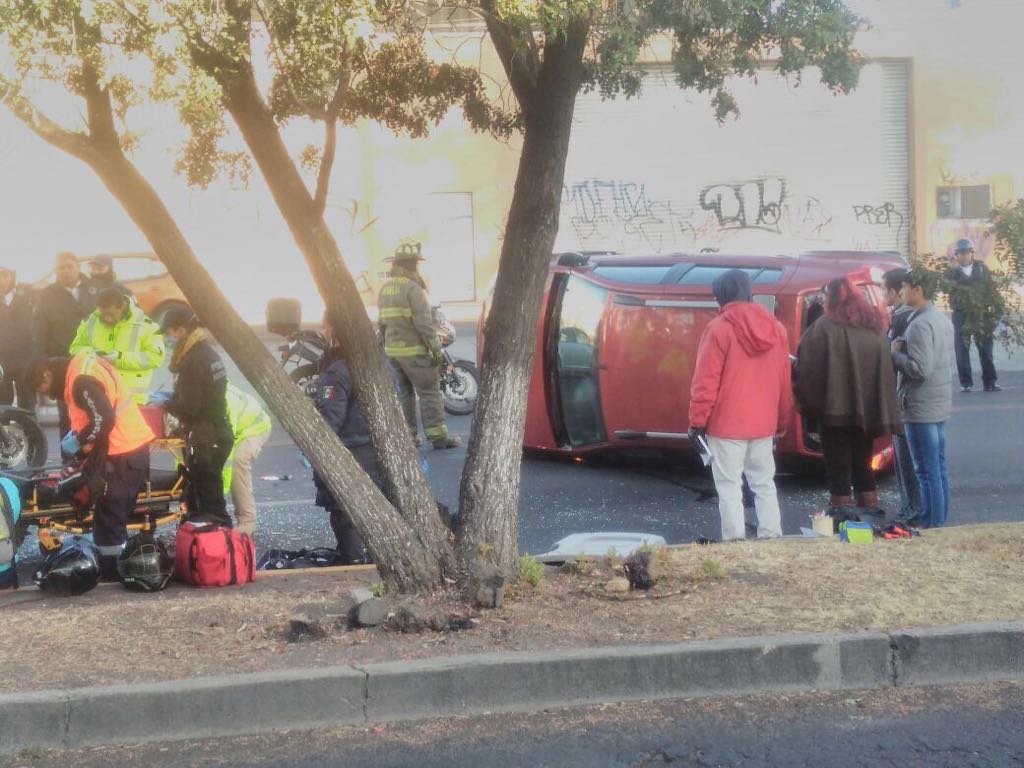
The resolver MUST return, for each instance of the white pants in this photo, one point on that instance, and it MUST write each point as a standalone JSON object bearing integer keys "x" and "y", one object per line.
{"x": 731, "y": 460}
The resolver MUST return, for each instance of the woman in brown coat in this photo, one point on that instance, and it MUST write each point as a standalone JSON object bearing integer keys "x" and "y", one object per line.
{"x": 845, "y": 381}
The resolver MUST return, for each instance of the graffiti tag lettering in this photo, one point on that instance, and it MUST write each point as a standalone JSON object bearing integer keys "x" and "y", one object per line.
{"x": 756, "y": 204}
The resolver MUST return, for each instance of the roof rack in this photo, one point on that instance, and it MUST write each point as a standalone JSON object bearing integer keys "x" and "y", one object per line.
{"x": 580, "y": 258}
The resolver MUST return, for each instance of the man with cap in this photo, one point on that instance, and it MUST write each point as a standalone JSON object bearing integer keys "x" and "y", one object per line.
{"x": 109, "y": 433}
{"x": 15, "y": 340}
{"x": 740, "y": 399}
{"x": 199, "y": 402}
{"x": 122, "y": 333}
{"x": 102, "y": 275}
{"x": 411, "y": 343}
{"x": 977, "y": 308}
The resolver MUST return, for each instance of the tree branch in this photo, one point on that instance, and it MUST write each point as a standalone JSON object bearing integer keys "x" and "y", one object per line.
{"x": 323, "y": 178}
{"x": 74, "y": 143}
{"x": 517, "y": 50}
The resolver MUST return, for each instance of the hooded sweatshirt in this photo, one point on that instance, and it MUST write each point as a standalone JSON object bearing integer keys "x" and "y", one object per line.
{"x": 742, "y": 385}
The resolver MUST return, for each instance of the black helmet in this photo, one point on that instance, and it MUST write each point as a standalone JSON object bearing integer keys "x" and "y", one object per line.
{"x": 72, "y": 570}
{"x": 144, "y": 564}
{"x": 408, "y": 253}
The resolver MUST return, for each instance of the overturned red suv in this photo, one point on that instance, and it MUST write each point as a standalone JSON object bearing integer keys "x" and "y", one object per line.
{"x": 617, "y": 343}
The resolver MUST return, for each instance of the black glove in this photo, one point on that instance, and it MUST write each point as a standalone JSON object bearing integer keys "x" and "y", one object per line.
{"x": 695, "y": 432}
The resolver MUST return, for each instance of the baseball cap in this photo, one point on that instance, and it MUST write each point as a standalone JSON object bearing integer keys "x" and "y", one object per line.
{"x": 102, "y": 261}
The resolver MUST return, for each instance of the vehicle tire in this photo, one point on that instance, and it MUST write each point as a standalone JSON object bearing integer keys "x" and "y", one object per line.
{"x": 460, "y": 390}
{"x": 161, "y": 312}
{"x": 24, "y": 445}
{"x": 306, "y": 377}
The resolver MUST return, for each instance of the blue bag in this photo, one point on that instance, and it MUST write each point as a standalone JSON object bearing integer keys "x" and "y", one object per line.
{"x": 10, "y": 511}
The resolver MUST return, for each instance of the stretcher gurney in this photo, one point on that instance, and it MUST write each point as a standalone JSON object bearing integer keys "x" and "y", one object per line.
{"x": 53, "y": 509}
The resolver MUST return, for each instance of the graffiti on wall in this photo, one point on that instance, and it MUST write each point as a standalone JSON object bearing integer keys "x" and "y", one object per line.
{"x": 944, "y": 233}
{"x": 623, "y": 215}
{"x": 756, "y": 204}
{"x": 885, "y": 214}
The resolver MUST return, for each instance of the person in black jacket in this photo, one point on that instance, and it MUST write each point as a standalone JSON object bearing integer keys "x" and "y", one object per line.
{"x": 977, "y": 309}
{"x": 199, "y": 403}
{"x": 336, "y": 401}
{"x": 15, "y": 340}
{"x": 60, "y": 309}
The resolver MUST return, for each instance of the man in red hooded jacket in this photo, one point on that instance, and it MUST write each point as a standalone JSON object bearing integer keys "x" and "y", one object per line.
{"x": 740, "y": 399}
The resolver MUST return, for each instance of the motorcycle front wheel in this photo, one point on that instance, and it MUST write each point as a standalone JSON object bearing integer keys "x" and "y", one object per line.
{"x": 22, "y": 442}
{"x": 459, "y": 388}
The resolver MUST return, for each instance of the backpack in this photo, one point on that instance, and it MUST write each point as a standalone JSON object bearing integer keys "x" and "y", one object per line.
{"x": 211, "y": 555}
{"x": 10, "y": 511}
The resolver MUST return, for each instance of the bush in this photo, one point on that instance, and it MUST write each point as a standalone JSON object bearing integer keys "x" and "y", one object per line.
{"x": 531, "y": 571}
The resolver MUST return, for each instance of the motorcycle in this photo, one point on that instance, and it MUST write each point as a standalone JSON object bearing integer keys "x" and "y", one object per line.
{"x": 22, "y": 440}
{"x": 459, "y": 383}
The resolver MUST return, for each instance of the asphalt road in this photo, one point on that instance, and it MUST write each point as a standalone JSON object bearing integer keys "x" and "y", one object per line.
{"x": 963, "y": 727}
{"x": 560, "y": 497}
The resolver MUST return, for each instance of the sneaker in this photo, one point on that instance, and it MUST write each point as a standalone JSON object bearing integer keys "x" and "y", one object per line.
{"x": 966, "y": 390}
{"x": 993, "y": 388}
{"x": 443, "y": 443}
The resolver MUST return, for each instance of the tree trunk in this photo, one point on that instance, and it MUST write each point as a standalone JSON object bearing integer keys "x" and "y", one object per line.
{"x": 399, "y": 462}
{"x": 489, "y": 499}
{"x": 402, "y": 559}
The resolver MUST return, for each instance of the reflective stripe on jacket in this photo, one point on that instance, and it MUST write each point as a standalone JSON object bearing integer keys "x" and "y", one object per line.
{"x": 136, "y": 340}
{"x": 405, "y": 316}
{"x": 130, "y": 431}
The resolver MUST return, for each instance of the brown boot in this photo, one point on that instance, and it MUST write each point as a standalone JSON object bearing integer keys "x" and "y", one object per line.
{"x": 868, "y": 500}
{"x": 840, "y": 501}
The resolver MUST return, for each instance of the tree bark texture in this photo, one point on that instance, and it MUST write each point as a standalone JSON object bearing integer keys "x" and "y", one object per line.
{"x": 401, "y": 557}
{"x": 489, "y": 499}
{"x": 404, "y": 482}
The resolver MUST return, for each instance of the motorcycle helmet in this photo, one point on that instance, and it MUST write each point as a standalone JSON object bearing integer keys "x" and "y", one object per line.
{"x": 144, "y": 564}
{"x": 73, "y": 570}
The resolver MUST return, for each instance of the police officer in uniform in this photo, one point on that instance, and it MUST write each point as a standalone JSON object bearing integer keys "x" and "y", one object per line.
{"x": 120, "y": 331}
{"x": 199, "y": 402}
{"x": 411, "y": 343}
{"x": 108, "y": 430}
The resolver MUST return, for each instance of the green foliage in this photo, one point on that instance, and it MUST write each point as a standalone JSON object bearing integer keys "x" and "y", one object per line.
{"x": 378, "y": 589}
{"x": 996, "y": 307}
{"x": 1008, "y": 229}
{"x": 531, "y": 571}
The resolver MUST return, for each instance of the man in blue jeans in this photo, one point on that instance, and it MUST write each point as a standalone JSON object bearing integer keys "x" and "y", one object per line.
{"x": 924, "y": 361}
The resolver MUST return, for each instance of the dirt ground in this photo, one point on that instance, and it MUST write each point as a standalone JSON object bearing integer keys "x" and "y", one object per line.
{"x": 112, "y": 636}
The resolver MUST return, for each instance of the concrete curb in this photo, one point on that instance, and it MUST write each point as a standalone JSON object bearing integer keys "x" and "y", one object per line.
{"x": 512, "y": 682}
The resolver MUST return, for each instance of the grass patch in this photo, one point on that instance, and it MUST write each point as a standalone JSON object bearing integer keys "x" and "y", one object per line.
{"x": 531, "y": 571}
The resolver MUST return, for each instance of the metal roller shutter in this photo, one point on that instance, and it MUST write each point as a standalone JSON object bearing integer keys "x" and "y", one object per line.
{"x": 800, "y": 168}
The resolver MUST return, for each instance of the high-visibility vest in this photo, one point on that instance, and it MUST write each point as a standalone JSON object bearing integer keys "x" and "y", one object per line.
{"x": 135, "y": 339}
{"x": 130, "y": 431}
{"x": 248, "y": 419}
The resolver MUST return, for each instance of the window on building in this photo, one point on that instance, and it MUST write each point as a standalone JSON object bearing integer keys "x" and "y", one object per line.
{"x": 968, "y": 202}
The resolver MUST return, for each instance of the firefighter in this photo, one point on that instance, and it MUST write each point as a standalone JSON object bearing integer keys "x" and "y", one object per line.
{"x": 109, "y": 432}
{"x": 411, "y": 343}
{"x": 199, "y": 402}
{"x": 120, "y": 332}
{"x": 251, "y": 426}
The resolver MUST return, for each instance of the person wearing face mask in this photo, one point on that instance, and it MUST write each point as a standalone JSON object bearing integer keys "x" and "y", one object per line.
{"x": 102, "y": 275}
{"x": 199, "y": 402}
{"x": 120, "y": 332}
{"x": 60, "y": 308}
{"x": 977, "y": 308}
{"x": 15, "y": 340}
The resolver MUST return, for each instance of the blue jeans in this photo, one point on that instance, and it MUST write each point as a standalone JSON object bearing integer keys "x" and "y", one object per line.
{"x": 906, "y": 480}
{"x": 927, "y": 443}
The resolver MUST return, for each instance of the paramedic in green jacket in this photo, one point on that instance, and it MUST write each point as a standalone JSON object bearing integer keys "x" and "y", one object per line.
{"x": 411, "y": 343}
{"x": 119, "y": 331}
{"x": 251, "y": 426}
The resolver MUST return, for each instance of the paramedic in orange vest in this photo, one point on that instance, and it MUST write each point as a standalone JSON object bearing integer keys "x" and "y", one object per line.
{"x": 109, "y": 433}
